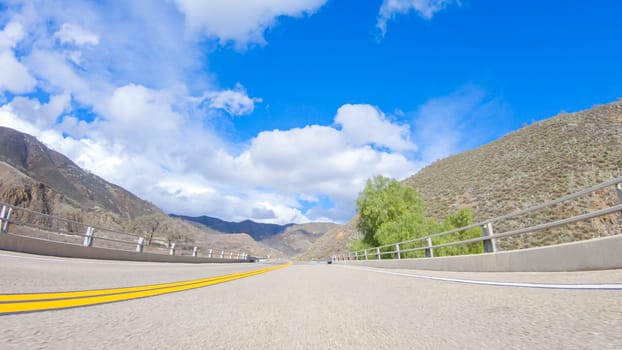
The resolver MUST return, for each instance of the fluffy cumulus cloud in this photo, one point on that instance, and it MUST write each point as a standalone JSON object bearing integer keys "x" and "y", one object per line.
{"x": 197, "y": 176}
{"x": 240, "y": 21}
{"x": 74, "y": 34}
{"x": 89, "y": 80}
{"x": 107, "y": 97}
{"x": 15, "y": 77}
{"x": 425, "y": 8}
{"x": 363, "y": 124}
{"x": 234, "y": 101}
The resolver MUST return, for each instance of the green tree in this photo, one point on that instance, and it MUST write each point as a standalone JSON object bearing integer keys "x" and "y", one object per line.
{"x": 390, "y": 212}
{"x": 407, "y": 226}
{"x": 461, "y": 218}
{"x": 383, "y": 202}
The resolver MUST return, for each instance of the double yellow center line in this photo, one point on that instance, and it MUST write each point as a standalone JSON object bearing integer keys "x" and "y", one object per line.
{"x": 16, "y": 303}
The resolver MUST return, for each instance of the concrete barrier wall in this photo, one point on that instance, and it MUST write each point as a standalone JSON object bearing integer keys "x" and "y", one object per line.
{"x": 44, "y": 247}
{"x": 595, "y": 254}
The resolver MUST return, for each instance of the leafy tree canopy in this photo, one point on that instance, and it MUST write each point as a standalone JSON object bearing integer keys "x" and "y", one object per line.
{"x": 390, "y": 212}
{"x": 383, "y": 201}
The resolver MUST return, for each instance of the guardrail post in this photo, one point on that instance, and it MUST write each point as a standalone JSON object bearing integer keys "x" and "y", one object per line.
{"x": 88, "y": 238}
{"x": 194, "y": 251}
{"x": 172, "y": 249}
{"x": 222, "y": 254}
{"x": 230, "y": 255}
{"x": 140, "y": 244}
{"x": 356, "y": 255}
{"x": 619, "y": 191}
{"x": 397, "y": 250}
{"x": 7, "y": 219}
{"x": 5, "y": 216}
{"x": 2, "y": 213}
{"x": 429, "y": 251}
{"x": 378, "y": 253}
{"x": 210, "y": 253}
{"x": 489, "y": 244}
{"x": 365, "y": 254}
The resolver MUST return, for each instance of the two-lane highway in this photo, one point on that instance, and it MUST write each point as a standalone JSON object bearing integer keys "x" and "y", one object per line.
{"x": 310, "y": 306}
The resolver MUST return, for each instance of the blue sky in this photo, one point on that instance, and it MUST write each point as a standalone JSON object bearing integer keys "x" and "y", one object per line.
{"x": 279, "y": 110}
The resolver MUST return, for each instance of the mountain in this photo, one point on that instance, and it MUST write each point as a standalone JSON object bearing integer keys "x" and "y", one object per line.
{"x": 297, "y": 239}
{"x": 535, "y": 164}
{"x": 34, "y": 177}
{"x": 52, "y": 170}
{"x": 258, "y": 231}
{"x": 290, "y": 239}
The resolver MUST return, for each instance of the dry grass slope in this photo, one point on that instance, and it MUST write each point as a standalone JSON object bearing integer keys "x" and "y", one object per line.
{"x": 538, "y": 163}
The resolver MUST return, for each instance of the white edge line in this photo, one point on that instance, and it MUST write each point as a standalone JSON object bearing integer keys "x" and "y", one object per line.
{"x": 612, "y": 286}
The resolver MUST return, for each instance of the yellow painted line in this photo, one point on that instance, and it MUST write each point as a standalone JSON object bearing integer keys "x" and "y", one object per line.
{"x": 62, "y": 300}
{"x": 88, "y": 293}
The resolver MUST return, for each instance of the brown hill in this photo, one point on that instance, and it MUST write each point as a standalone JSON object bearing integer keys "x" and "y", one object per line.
{"x": 537, "y": 163}
{"x": 299, "y": 238}
{"x": 34, "y": 177}
{"x": 333, "y": 242}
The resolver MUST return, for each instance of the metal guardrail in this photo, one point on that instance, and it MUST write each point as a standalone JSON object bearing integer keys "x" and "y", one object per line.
{"x": 91, "y": 234}
{"x": 488, "y": 236}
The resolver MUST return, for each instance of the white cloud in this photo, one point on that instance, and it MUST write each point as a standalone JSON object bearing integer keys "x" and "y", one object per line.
{"x": 41, "y": 115}
{"x": 234, "y": 102}
{"x": 139, "y": 147}
{"x": 14, "y": 75}
{"x": 56, "y": 75}
{"x": 425, "y": 8}
{"x": 147, "y": 127}
{"x": 75, "y": 34}
{"x": 365, "y": 124}
{"x": 12, "y": 34}
{"x": 240, "y": 21}
{"x": 137, "y": 108}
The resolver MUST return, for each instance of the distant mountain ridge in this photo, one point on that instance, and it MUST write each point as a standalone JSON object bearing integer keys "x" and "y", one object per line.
{"x": 259, "y": 231}
{"x": 291, "y": 239}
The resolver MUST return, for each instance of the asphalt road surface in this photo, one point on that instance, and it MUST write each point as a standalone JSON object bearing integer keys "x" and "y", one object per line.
{"x": 306, "y": 306}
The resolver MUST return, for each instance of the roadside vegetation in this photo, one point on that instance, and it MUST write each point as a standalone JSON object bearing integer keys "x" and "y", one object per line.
{"x": 390, "y": 212}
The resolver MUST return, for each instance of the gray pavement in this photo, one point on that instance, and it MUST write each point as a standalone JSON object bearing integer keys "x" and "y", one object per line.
{"x": 309, "y": 307}
{"x": 22, "y": 273}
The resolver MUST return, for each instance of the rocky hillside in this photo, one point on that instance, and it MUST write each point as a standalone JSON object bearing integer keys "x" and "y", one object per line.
{"x": 38, "y": 178}
{"x": 297, "y": 239}
{"x": 333, "y": 242}
{"x": 537, "y": 163}
{"x": 35, "y": 177}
